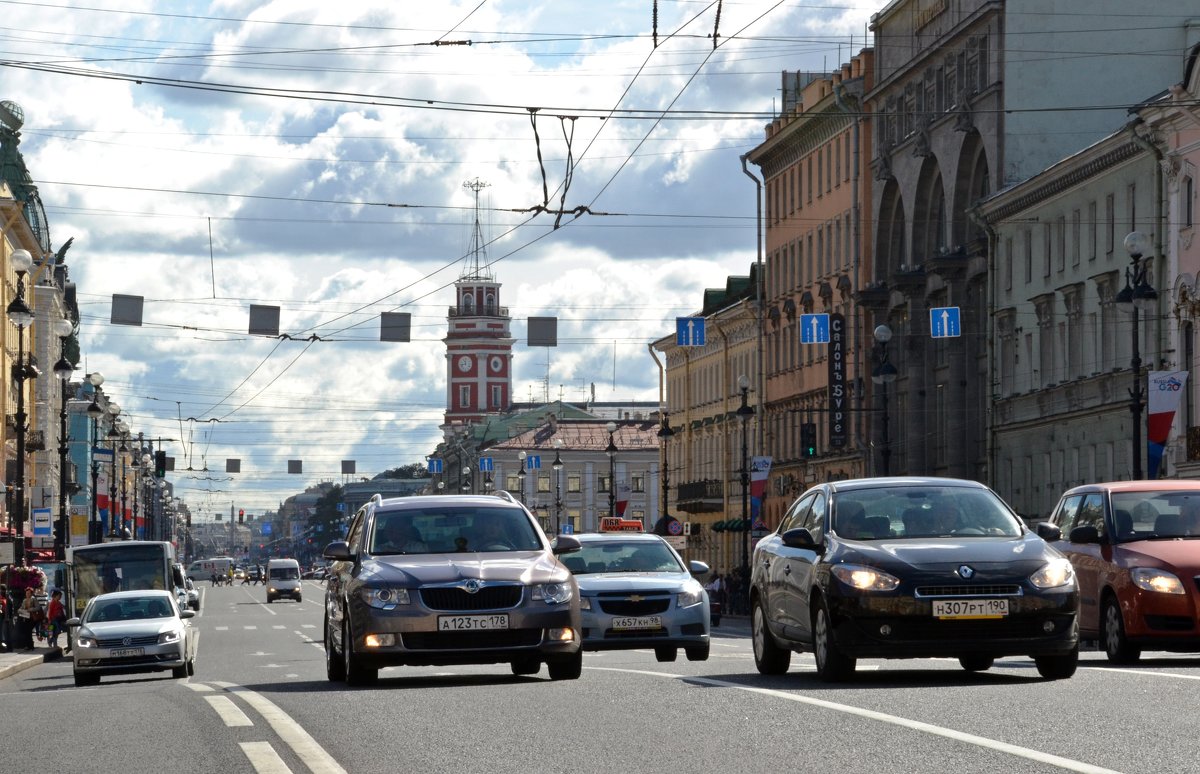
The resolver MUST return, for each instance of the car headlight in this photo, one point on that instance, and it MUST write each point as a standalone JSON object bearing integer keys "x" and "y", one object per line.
{"x": 85, "y": 640}
{"x": 692, "y": 595}
{"x": 863, "y": 578}
{"x": 1153, "y": 579}
{"x": 171, "y": 636}
{"x": 1056, "y": 572}
{"x": 386, "y": 598}
{"x": 552, "y": 593}
{"x": 585, "y": 603}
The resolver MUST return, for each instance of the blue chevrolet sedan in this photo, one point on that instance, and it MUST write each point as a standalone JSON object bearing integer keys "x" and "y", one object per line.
{"x": 636, "y": 592}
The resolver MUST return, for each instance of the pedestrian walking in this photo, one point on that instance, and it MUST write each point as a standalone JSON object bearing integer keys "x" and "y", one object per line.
{"x": 56, "y": 618}
{"x": 29, "y": 618}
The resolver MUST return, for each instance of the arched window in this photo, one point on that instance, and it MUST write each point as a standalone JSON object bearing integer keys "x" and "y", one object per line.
{"x": 468, "y": 302}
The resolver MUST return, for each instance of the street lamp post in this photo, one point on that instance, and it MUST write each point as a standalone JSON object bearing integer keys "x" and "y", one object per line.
{"x": 113, "y": 434}
{"x": 558, "y": 466}
{"x": 94, "y": 411}
{"x": 521, "y": 474}
{"x": 1137, "y": 295}
{"x": 884, "y": 374}
{"x": 664, "y": 434}
{"x": 21, "y": 316}
{"x": 62, "y": 369}
{"x": 466, "y": 484}
{"x": 744, "y": 412}
{"x": 611, "y": 451}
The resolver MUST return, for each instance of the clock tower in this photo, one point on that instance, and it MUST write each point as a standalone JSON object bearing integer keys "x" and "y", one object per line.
{"x": 478, "y": 340}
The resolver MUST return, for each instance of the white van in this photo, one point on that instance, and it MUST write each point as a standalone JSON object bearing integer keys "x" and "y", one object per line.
{"x": 204, "y": 569}
{"x": 283, "y": 579}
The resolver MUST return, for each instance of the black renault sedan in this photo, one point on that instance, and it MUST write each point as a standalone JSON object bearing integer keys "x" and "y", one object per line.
{"x": 910, "y": 568}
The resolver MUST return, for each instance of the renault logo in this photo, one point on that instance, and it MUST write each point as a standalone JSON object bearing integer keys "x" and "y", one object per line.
{"x": 472, "y": 586}
{"x": 965, "y": 572}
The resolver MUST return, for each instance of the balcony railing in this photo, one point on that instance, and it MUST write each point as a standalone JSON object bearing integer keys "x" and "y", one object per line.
{"x": 704, "y": 496}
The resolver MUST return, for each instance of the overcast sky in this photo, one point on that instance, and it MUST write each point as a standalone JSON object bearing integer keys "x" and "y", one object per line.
{"x": 313, "y": 155}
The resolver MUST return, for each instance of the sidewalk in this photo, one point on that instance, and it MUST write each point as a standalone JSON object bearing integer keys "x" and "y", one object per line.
{"x": 19, "y": 661}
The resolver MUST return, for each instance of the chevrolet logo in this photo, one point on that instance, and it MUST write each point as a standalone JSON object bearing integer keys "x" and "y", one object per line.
{"x": 636, "y": 597}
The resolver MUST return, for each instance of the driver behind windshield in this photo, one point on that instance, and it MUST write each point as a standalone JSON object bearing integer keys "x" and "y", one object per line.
{"x": 400, "y": 537}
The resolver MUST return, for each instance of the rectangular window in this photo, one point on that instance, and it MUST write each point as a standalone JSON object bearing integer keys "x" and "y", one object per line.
{"x": 543, "y": 482}
{"x": 1028, "y": 256}
{"x": 497, "y": 395}
{"x": 1093, "y": 228}
{"x": 512, "y": 482}
{"x": 1076, "y": 234}
{"x": 820, "y": 173}
{"x": 799, "y": 170}
{"x": 1060, "y": 243}
{"x": 846, "y": 151}
{"x": 574, "y": 483}
{"x": 603, "y": 483}
{"x": 1188, "y": 209}
{"x": 1008, "y": 263}
{"x": 464, "y": 395}
{"x": 1110, "y": 222}
{"x": 1132, "y": 193}
{"x": 837, "y": 155}
{"x": 1047, "y": 238}
{"x": 638, "y": 482}
{"x": 828, "y": 168}
{"x": 809, "y": 177}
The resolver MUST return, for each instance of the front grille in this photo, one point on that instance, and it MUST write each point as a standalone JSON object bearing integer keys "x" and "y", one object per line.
{"x": 1170, "y": 623}
{"x": 486, "y": 640}
{"x": 935, "y": 630}
{"x": 487, "y": 598}
{"x": 999, "y": 590}
{"x": 629, "y": 607}
{"x": 119, "y": 642}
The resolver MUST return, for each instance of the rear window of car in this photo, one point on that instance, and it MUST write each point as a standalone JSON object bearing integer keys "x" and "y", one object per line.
{"x": 922, "y": 512}
{"x": 452, "y": 529}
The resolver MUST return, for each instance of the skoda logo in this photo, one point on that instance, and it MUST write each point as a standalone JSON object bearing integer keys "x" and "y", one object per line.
{"x": 965, "y": 572}
{"x": 126, "y": 640}
{"x": 471, "y": 586}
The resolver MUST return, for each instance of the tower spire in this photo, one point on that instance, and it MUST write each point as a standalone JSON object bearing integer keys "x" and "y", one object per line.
{"x": 475, "y": 265}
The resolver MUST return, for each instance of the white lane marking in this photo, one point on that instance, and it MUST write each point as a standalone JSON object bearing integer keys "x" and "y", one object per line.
{"x": 221, "y": 628}
{"x": 228, "y": 711}
{"x": 1141, "y": 672}
{"x": 278, "y": 626}
{"x": 199, "y": 687}
{"x": 250, "y": 627}
{"x": 881, "y": 717}
{"x": 306, "y": 748}
{"x": 263, "y": 758}
{"x": 308, "y": 626}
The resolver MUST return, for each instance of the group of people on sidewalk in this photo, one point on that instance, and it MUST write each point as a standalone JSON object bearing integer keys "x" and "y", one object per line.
{"x": 21, "y": 621}
{"x": 729, "y": 591}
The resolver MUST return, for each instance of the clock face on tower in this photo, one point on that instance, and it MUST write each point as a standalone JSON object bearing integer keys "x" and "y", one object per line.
{"x": 464, "y": 363}
{"x": 496, "y": 364}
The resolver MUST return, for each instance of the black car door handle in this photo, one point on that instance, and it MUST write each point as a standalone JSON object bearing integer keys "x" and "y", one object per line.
{"x": 787, "y": 569}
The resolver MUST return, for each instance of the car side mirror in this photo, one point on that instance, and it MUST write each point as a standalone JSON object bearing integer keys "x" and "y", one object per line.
{"x": 1048, "y": 532}
{"x": 338, "y": 550}
{"x": 186, "y": 614}
{"x": 73, "y": 622}
{"x": 565, "y": 544}
{"x": 697, "y": 567}
{"x": 799, "y": 537}
{"x": 1085, "y": 534}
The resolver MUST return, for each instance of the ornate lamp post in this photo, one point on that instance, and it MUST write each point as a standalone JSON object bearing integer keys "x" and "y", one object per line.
{"x": 21, "y": 316}
{"x": 488, "y": 483}
{"x": 123, "y": 429}
{"x": 466, "y": 484}
{"x": 63, "y": 370}
{"x": 113, "y": 435}
{"x": 1137, "y": 295}
{"x": 521, "y": 474}
{"x": 558, "y": 466}
{"x": 883, "y": 374}
{"x": 95, "y": 411}
{"x": 664, "y": 434}
{"x": 744, "y": 412}
{"x": 611, "y": 451}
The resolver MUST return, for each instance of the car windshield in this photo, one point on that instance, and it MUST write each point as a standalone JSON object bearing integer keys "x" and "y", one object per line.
{"x": 622, "y": 556}
{"x": 921, "y": 512}
{"x": 1156, "y": 515}
{"x": 128, "y": 609}
{"x": 452, "y": 529}
{"x": 285, "y": 573}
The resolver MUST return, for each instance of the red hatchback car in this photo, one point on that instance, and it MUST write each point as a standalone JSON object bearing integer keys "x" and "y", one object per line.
{"x": 1135, "y": 546}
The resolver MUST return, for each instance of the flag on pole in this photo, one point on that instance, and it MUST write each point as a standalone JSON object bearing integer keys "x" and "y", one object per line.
{"x": 1163, "y": 397}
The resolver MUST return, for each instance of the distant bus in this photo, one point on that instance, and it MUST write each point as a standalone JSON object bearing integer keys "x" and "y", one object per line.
{"x": 122, "y": 565}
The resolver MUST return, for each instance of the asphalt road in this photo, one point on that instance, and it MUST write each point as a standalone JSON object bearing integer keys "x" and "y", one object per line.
{"x": 259, "y": 702}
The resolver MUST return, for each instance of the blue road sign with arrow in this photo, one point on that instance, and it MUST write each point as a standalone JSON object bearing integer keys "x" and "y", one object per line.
{"x": 944, "y": 322}
{"x": 533, "y": 462}
{"x": 814, "y": 329}
{"x": 689, "y": 332}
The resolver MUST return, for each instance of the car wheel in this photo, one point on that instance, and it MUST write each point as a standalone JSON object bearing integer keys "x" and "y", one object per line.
{"x": 976, "y": 663}
{"x": 83, "y": 679}
{"x": 697, "y": 653}
{"x": 716, "y": 621}
{"x": 526, "y": 666}
{"x": 334, "y": 668}
{"x": 179, "y": 672}
{"x": 1058, "y": 667}
{"x": 357, "y": 673}
{"x": 769, "y": 658}
{"x": 1116, "y": 646}
{"x": 297, "y": 597}
{"x": 567, "y": 667}
{"x": 665, "y": 654}
{"x": 833, "y": 666}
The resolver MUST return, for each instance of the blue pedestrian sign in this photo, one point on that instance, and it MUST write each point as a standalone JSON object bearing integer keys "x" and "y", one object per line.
{"x": 435, "y": 465}
{"x": 486, "y": 466}
{"x": 567, "y": 528}
{"x": 814, "y": 329}
{"x": 689, "y": 331}
{"x": 944, "y": 322}
{"x": 533, "y": 462}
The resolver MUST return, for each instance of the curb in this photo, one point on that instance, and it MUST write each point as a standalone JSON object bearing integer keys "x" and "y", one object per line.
{"x": 12, "y": 663}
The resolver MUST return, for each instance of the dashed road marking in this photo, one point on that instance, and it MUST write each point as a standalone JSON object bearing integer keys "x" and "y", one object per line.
{"x": 228, "y": 711}
{"x": 306, "y": 748}
{"x": 263, "y": 758}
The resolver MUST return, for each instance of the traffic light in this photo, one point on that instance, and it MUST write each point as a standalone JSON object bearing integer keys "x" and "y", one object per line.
{"x": 160, "y": 464}
{"x": 808, "y": 439}
{"x": 241, "y": 516}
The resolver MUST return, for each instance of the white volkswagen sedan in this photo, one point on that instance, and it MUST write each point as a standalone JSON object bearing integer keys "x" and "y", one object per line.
{"x": 133, "y": 631}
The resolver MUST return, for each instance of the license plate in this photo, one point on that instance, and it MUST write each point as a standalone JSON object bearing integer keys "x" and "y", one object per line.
{"x": 970, "y": 608}
{"x": 126, "y": 652}
{"x": 647, "y": 622}
{"x": 470, "y": 623}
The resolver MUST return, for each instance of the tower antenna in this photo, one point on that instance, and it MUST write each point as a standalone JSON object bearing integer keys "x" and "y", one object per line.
{"x": 475, "y": 267}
